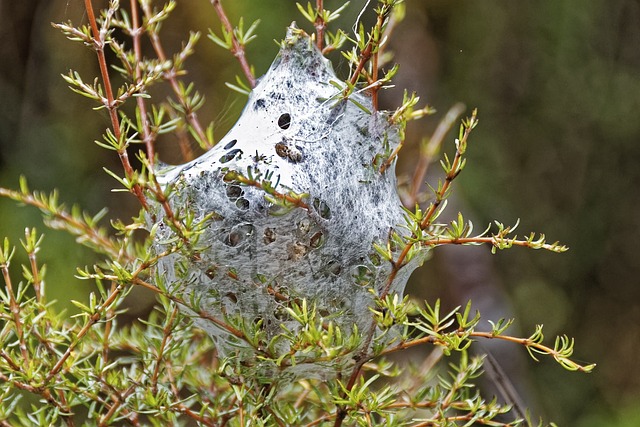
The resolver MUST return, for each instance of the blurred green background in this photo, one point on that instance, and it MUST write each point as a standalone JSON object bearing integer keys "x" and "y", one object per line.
{"x": 557, "y": 85}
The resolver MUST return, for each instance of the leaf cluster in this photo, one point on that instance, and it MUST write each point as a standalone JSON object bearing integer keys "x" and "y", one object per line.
{"x": 88, "y": 368}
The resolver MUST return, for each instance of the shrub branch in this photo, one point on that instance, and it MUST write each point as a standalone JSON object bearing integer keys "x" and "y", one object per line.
{"x": 237, "y": 49}
{"x": 111, "y": 105}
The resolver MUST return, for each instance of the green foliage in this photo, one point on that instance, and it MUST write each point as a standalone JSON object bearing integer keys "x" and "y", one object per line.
{"x": 93, "y": 368}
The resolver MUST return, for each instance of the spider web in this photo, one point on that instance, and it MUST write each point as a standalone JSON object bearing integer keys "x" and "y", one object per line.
{"x": 254, "y": 258}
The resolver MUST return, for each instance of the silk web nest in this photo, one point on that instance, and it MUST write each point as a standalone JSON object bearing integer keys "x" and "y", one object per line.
{"x": 255, "y": 256}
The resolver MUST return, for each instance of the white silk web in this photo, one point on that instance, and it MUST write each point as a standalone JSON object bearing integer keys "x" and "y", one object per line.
{"x": 254, "y": 258}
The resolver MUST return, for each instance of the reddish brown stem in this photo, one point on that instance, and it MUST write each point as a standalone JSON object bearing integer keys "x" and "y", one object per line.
{"x": 147, "y": 137}
{"x": 374, "y": 78}
{"x": 195, "y": 416}
{"x": 80, "y": 228}
{"x": 236, "y": 48}
{"x": 46, "y": 395}
{"x": 433, "y": 208}
{"x": 15, "y": 311}
{"x": 365, "y": 55}
{"x": 99, "y": 43}
{"x": 119, "y": 399}
{"x": 370, "y": 53}
{"x": 399, "y": 263}
{"x": 372, "y": 43}
{"x": 254, "y": 183}
{"x": 171, "y": 76}
{"x": 93, "y": 319}
{"x": 320, "y": 24}
{"x": 166, "y": 333}
{"x": 429, "y": 150}
{"x": 107, "y": 329}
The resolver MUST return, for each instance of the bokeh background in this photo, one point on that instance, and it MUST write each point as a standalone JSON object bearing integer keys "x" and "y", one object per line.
{"x": 557, "y": 85}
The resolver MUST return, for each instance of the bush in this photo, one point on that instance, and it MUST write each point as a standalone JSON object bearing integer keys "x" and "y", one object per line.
{"x": 279, "y": 276}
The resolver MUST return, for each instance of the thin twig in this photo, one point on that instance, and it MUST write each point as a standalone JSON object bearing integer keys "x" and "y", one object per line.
{"x": 7, "y": 358}
{"x": 161, "y": 197}
{"x": 236, "y": 48}
{"x": 433, "y": 208}
{"x": 374, "y": 78}
{"x": 493, "y": 240}
{"x": 394, "y": 154}
{"x": 195, "y": 415}
{"x": 107, "y": 328}
{"x": 202, "y": 314}
{"x": 166, "y": 333}
{"x": 392, "y": 24}
{"x": 119, "y": 399}
{"x": 79, "y": 228}
{"x": 15, "y": 311}
{"x": 529, "y": 343}
{"x": 297, "y": 201}
{"x": 525, "y": 342}
{"x": 365, "y": 55}
{"x": 372, "y": 44}
{"x": 93, "y": 319}
{"x": 399, "y": 262}
{"x": 429, "y": 150}
{"x": 99, "y": 44}
{"x": 35, "y": 272}
{"x": 171, "y": 76}
{"x": 319, "y": 24}
{"x": 147, "y": 137}
{"x": 65, "y": 411}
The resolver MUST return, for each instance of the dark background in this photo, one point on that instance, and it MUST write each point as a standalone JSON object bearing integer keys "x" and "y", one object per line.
{"x": 557, "y": 85}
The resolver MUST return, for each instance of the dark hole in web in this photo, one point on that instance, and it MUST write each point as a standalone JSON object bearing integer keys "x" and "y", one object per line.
{"x": 211, "y": 272}
{"x": 230, "y": 155}
{"x": 242, "y": 204}
{"x": 238, "y": 234}
{"x": 233, "y": 297}
{"x": 234, "y": 191}
{"x": 284, "y": 121}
